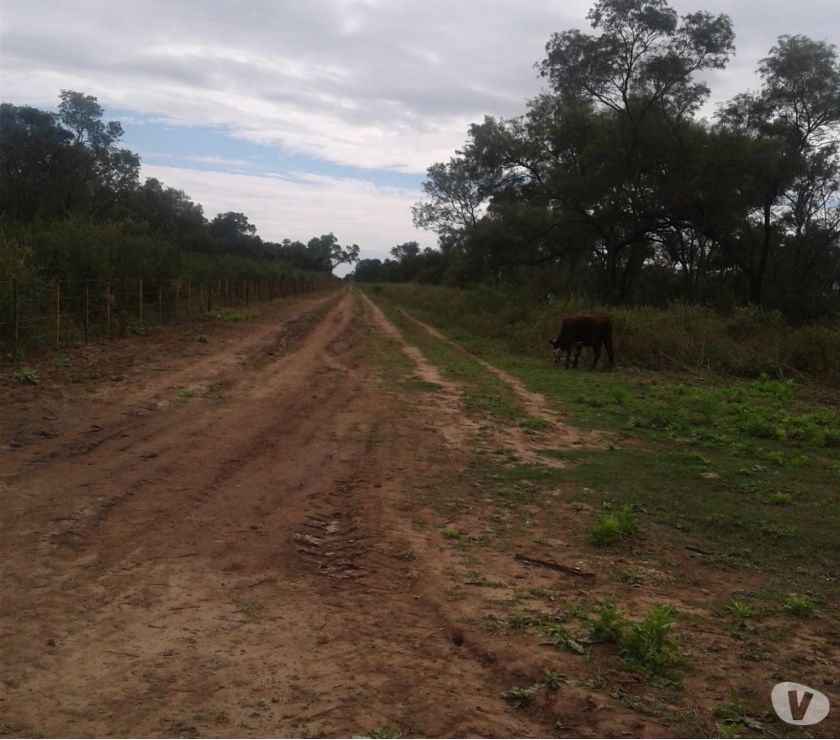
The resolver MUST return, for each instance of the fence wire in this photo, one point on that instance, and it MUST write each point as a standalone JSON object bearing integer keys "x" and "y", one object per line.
{"x": 57, "y": 312}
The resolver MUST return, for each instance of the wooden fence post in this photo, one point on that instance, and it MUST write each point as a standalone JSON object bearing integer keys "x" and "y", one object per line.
{"x": 86, "y": 309}
{"x": 140, "y": 295}
{"x": 189, "y": 299}
{"x": 177, "y": 296}
{"x": 16, "y": 315}
{"x": 108, "y": 309}
{"x": 160, "y": 302}
{"x": 124, "y": 307}
{"x": 57, "y": 311}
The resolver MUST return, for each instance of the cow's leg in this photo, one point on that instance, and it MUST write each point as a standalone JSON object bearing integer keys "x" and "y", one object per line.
{"x": 568, "y": 357}
{"x": 578, "y": 350}
{"x": 596, "y": 354}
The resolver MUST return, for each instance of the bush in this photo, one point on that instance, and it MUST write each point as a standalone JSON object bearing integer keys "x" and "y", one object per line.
{"x": 751, "y": 342}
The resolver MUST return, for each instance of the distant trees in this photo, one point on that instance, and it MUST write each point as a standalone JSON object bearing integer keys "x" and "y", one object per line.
{"x": 319, "y": 254}
{"x": 608, "y": 182}
{"x": 64, "y": 179}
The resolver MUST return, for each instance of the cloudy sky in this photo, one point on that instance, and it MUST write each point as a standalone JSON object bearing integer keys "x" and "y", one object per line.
{"x": 313, "y": 116}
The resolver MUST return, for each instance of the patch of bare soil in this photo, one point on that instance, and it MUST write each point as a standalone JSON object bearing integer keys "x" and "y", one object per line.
{"x": 458, "y": 426}
{"x": 243, "y": 538}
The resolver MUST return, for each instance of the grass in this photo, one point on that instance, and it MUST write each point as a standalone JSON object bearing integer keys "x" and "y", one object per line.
{"x": 27, "y": 376}
{"x": 740, "y": 611}
{"x": 646, "y": 646}
{"x": 743, "y": 472}
{"x": 234, "y": 315}
{"x": 385, "y": 732}
{"x": 482, "y": 391}
{"x": 247, "y": 607}
{"x": 702, "y": 454}
{"x": 800, "y": 606}
{"x": 615, "y": 527}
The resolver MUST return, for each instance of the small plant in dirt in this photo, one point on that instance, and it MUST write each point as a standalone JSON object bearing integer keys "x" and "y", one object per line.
{"x": 740, "y": 610}
{"x": 201, "y": 338}
{"x": 631, "y": 577}
{"x": 575, "y": 610}
{"x": 245, "y": 606}
{"x": 62, "y": 362}
{"x": 615, "y": 526}
{"x": 186, "y": 393}
{"x": 385, "y": 732}
{"x": 780, "y": 498}
{"x": 558, "y": 636}
{"x": 521, "y": 696}
{"x": 742, "y": 614}
{"x": 27, "y": 376}
{"x": 475, "y": 579}
{"x": 644, "y": 646}
{"x": 618, "y": 394}
{"x": 450, "y": 533}
{"x": 553, "y": 679}
{"x": 610, "y": 626}
{"x": 733, "y": 720}
{"x": 801, "y": 606}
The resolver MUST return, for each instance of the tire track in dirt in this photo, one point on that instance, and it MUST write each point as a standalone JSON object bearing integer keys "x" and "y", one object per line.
{"x": 119, "y": 405}
{"x": 158, "y": 587}
{"x": 461, "y": 426}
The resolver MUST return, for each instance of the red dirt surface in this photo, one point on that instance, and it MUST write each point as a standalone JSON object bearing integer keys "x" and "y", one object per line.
{"x": 225, "y": 539}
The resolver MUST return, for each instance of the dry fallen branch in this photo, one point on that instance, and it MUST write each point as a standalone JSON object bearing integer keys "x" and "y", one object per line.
{"x": 554, "y": 566}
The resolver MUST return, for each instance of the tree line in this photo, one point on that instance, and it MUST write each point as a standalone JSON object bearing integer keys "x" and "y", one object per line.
{"x": 72, "y": 207}
{"x": 611, "y": 185}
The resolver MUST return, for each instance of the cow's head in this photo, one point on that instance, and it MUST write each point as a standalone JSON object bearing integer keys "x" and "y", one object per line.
{"x": 556, "y": 350}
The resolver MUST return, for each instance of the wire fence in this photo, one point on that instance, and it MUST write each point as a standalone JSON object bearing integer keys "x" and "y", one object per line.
{"x": 57, "y": 312}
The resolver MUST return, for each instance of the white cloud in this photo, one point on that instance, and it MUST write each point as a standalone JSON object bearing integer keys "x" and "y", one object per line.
{"x": 368, "y": 84}
{"x": 389, "y": 85}
{"x": 300, "y": 206}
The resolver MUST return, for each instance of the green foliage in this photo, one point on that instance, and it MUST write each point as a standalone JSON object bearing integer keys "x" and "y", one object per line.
{"x": 521, "y": 696}
{"x": 780, "y": 498}
{"x": 385, "y": 732}
{"x": 553, "y": 679}
{"x": 609, "y": 627}
{"x": 749, "y": 343}
{"x": 27, "y": 376}
{"x": 646, "y": 646}
{"x": 800, "y": 605}
{"x": 616, "y": 526}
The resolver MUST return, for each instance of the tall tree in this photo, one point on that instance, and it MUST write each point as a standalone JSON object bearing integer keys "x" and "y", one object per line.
{"x": 791, "y": 125}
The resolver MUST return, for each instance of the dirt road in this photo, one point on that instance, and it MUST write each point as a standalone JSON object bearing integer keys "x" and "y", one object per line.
{"x": 214, "y": 539}
{"x": 282, "y": 527}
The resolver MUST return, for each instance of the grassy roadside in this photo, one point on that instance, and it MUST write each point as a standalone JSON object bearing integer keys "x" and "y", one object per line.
{"x": 750, "y": 468}
{"x": 709, "y": 516}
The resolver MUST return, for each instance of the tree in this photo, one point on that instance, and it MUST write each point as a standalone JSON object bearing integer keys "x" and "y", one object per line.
{"x": 791, "y": 125}
{"x": 644, "y": 57}
{"x": 39, "y": 171}
{"x": 233, "y": 227}
{"x": 456, "y": 193}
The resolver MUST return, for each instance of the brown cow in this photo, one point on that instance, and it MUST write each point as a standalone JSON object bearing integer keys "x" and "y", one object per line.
{"x": 577, "y": 331}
